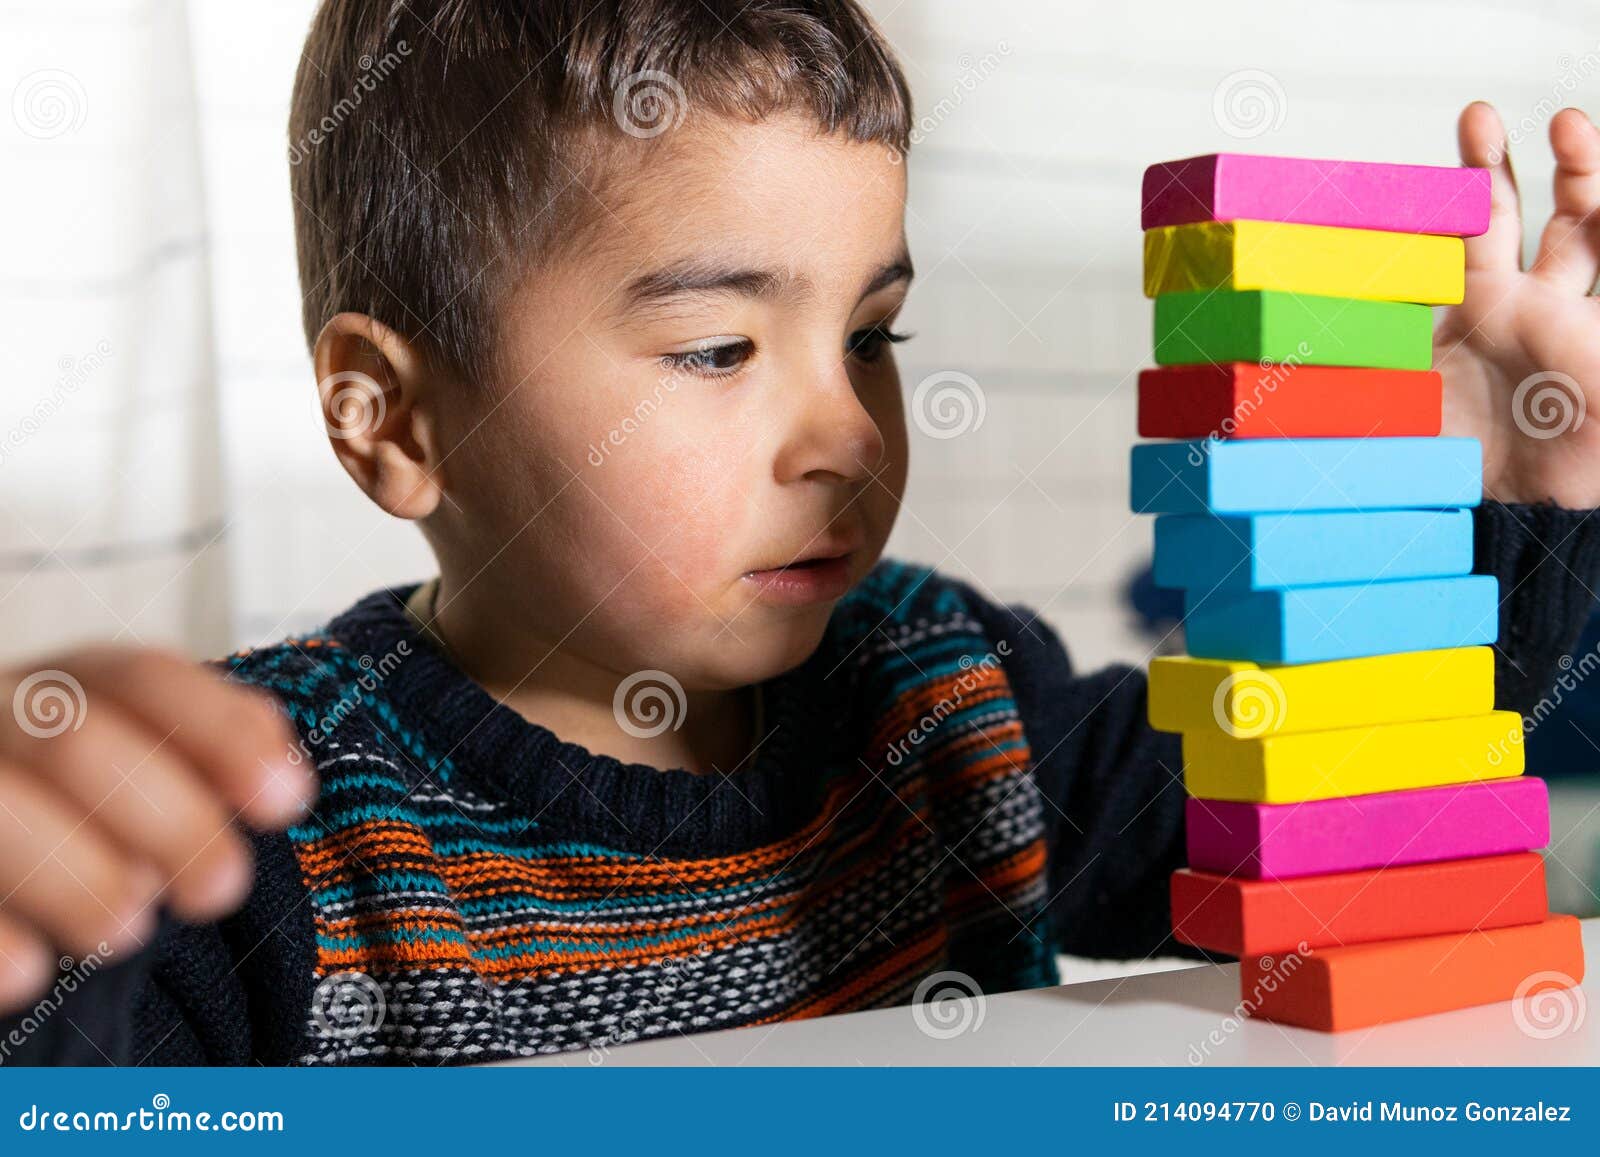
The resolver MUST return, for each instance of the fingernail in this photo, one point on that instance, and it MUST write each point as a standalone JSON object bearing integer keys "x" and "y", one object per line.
{"x": 25, "y": 969}
{"x": 287, "y": 792}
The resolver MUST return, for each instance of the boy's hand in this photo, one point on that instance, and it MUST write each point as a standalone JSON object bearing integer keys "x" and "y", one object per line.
{"x": 1521, "y": 354}
{"x": 122, "y": 775}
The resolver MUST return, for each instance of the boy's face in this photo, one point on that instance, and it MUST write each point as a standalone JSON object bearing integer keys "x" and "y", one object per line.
{"x": 699, "y": 443}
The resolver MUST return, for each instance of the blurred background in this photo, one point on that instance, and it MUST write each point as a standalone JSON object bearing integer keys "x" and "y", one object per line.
{"x": 163, "y": 471}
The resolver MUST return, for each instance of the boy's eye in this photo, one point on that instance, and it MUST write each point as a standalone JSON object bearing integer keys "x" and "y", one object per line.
{"x": 868, "y": 344}
{"x": 712, "y": 359}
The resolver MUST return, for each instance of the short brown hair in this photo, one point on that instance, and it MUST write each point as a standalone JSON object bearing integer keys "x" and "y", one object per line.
{"x": 433, "y": 145}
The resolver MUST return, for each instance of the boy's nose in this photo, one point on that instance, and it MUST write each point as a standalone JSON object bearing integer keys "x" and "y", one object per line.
{"x": 833, "y": 437}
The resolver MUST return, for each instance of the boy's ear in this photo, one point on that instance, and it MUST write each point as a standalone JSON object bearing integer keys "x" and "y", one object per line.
{"x": 373, "y": 386}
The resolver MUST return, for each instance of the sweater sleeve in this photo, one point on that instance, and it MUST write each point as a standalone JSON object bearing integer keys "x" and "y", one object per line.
{"x": 229, "y": 993}
{"x": 1113, "y": 788}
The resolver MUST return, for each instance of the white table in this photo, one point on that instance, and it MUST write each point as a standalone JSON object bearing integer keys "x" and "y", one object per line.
{"x": 1159, "y": 1019}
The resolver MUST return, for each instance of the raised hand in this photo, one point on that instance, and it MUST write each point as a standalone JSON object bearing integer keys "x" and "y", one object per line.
{"x": 1521, "y": 354}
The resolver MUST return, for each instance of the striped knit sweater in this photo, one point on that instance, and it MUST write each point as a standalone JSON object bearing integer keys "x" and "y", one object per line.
{"x": 939, "y": 792}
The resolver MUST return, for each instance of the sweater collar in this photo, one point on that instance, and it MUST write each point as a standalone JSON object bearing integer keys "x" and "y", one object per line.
{"x": 571, "y": 793}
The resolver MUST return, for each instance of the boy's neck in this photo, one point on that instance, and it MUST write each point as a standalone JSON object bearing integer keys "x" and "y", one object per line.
{"x": 572, "y": 697}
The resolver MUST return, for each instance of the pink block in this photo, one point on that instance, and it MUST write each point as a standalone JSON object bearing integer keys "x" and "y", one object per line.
{"x": 1271, "y": 841}
{"x": 1348, "y": 194}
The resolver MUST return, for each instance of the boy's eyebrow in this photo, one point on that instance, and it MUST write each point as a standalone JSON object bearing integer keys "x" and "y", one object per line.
{"x": 699, "y": 276}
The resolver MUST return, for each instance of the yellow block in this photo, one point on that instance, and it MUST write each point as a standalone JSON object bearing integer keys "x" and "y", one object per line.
{"x": 1314, "y": 259}
{"x": 1244, "y": 700}
{"x": 1353, "y": 760}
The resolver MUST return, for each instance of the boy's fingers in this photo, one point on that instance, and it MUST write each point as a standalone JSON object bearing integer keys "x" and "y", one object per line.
{"x": 1483, "y": 145}
{"x": 1569, "y": 251}
{"x": 134, "y": 787}
{"x": 60, "y": 875}
{"x": 235, "y": 737}
{"x": 26, "y": 965}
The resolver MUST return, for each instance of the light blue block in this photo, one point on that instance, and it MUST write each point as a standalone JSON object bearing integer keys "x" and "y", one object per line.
{"x": 1298, "y": 474}
{"x": 1316, "y": 624}
{"x": 1250, "y": 551}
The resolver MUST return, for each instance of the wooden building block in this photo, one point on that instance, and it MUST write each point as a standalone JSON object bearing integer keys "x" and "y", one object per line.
{"x": 1261, "y": 325}
{"x": 1270, "y": 475}
{"x": 1247, "y": 700}
{"x": 1358, "y": 985}
{"x": 1278, "y": 841}
{"x": 1347, "y": 194}
{"x": 1361, "y": 263}
{"x": 1244, "y": 917}
{"x": 1320, "y": 624}
{"x": 1247, "y": 400}
{"x": 1352, "y": 760}
{"x": 1204, "y": 552}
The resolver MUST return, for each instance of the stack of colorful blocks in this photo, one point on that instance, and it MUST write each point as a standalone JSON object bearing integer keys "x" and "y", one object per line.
{"x": 1360, "y": 834}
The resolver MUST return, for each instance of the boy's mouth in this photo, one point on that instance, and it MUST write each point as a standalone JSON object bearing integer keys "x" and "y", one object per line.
{"x": 817, "y": 577}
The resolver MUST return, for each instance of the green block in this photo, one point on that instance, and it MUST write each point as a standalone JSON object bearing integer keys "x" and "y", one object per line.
{"x": 1266, "y": 325}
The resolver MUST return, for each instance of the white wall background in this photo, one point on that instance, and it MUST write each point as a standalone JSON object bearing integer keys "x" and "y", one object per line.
{"x": 1038, "y": 118}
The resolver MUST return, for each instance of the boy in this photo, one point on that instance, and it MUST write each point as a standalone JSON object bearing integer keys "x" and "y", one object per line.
{"x": 603, "y": 296}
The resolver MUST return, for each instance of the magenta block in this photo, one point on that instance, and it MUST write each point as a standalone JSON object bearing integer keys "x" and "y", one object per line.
{"x": 1347, "y": 194}
{"x": 1272, "y": 841}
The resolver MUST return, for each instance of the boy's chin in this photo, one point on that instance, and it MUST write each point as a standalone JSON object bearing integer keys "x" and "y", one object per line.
{"x": 766, "y": 649}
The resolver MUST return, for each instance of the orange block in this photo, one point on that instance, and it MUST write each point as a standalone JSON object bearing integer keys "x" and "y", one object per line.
{"x": 1334, "y": 989}
{"x": 1246, "y": 400}
{"x": 1241, "y": 917}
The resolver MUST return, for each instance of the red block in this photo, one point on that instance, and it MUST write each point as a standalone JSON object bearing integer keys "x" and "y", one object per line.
{"x": 1365, "y": 984}
{"x": 1247, "y": 917}
{"x": 1245, "y": 400}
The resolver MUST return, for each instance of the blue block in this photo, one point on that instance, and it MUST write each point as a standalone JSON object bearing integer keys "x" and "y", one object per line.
{"x": 1251, "y": 551}
{"x": 1294, "y": 474}
{"x": 1316, "y": 624}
